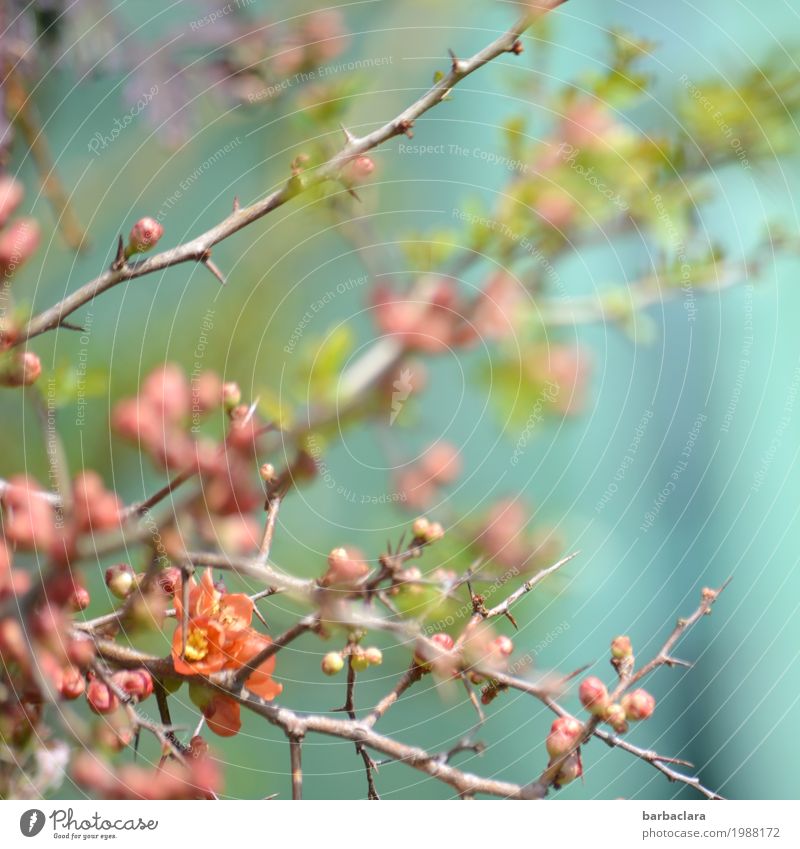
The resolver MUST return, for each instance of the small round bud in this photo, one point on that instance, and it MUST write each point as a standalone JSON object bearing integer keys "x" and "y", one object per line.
{"x": 100, "y": 698}
{"x": 137, "y": 683}
{"x": 360, "y": 168}
{"x": 621, "y": 648}
{"x": 332, "y": 663}
{"x": 420, "y": 528}
{"x": 615, "y": 717}
{"x": 564, "y": 734}
{"x": 594, "y": 696}
{"x": 81, "y": 651}
{"x": 20, "y": 369}
{"x": 80, "y": 598}
{"x": 503, "y": 645}
{"x": 73, "y": 683}
{"x": 434, "y": 532}
{"x": 358, "y": 659}
{"x": 267, "y": 473}
{"x": 708, "y": 594}
{"x": 443, "y": 641}
{"x": 345, "y": 570}
{"x": 374, "y": 656}
{"x": 231, "y": 396}
{"x": 638, "y": 705}
{"x": 145, "y": 234}
{"x": 120, "y": 580}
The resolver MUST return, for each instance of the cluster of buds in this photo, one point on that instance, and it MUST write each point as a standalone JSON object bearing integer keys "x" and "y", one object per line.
{"x": 632, "y": 707}
{"x": 425, "y": 531}
{"x": 360, "y": 659}
{"x": 163, "y": 419}
{"x": 195, "y": 777}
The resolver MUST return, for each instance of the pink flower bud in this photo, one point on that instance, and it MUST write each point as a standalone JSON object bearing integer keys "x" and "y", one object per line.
{"x": 503, "y": 645}
{"x": 17, "y": 244}
{"x": 442, "y": 462}
{"x": 621, "y": 648}
{"x": 360, "y": 168}
{"x": 638, "y": 705}
{"x": 443, "y": 641}
{"x": 100, "y": 698}
{"x": 594, "y": 696}
{"x": 137, "y": 683}
{"x": 145, "y": 234}
{"x": 73, "y": 683}
{"x": 20, "y": 369}
{"x": 80, "y": 599}
{"x": 564, "y": 735}
{"x": 344, "y": 570}
{"x": 332, "y": 663}
{"x": 11, "y": 193}
{"x": 120, "y": 580}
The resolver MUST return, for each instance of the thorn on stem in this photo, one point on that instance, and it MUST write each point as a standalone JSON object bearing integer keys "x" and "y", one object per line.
{"x": 120, "y": 259}
{"x": 212, "y": 267}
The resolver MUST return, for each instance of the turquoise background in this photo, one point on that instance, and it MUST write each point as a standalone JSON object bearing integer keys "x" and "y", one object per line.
{"x": 734, "y": 510}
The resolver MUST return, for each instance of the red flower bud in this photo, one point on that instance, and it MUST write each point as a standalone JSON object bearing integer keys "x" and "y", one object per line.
{"x": 594, "y": 696}
{"x": 137, "y": 683}
{"x": 17, "y": 244}
{"x": 73, "y": 683}
{"x": 145, "y": 234}
{"x": 564, "y": 734}
{"x": 100, "y": 698}
{"x": 120, "y": 580}
{"x": 80, "y": 651}
{"x": 20, "y": 369}
{"x": 638, "y": 705}
{"x": 80, "y": 599}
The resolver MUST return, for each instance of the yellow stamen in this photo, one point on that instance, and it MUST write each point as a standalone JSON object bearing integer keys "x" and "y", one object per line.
{"x": 196, "y": 645}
